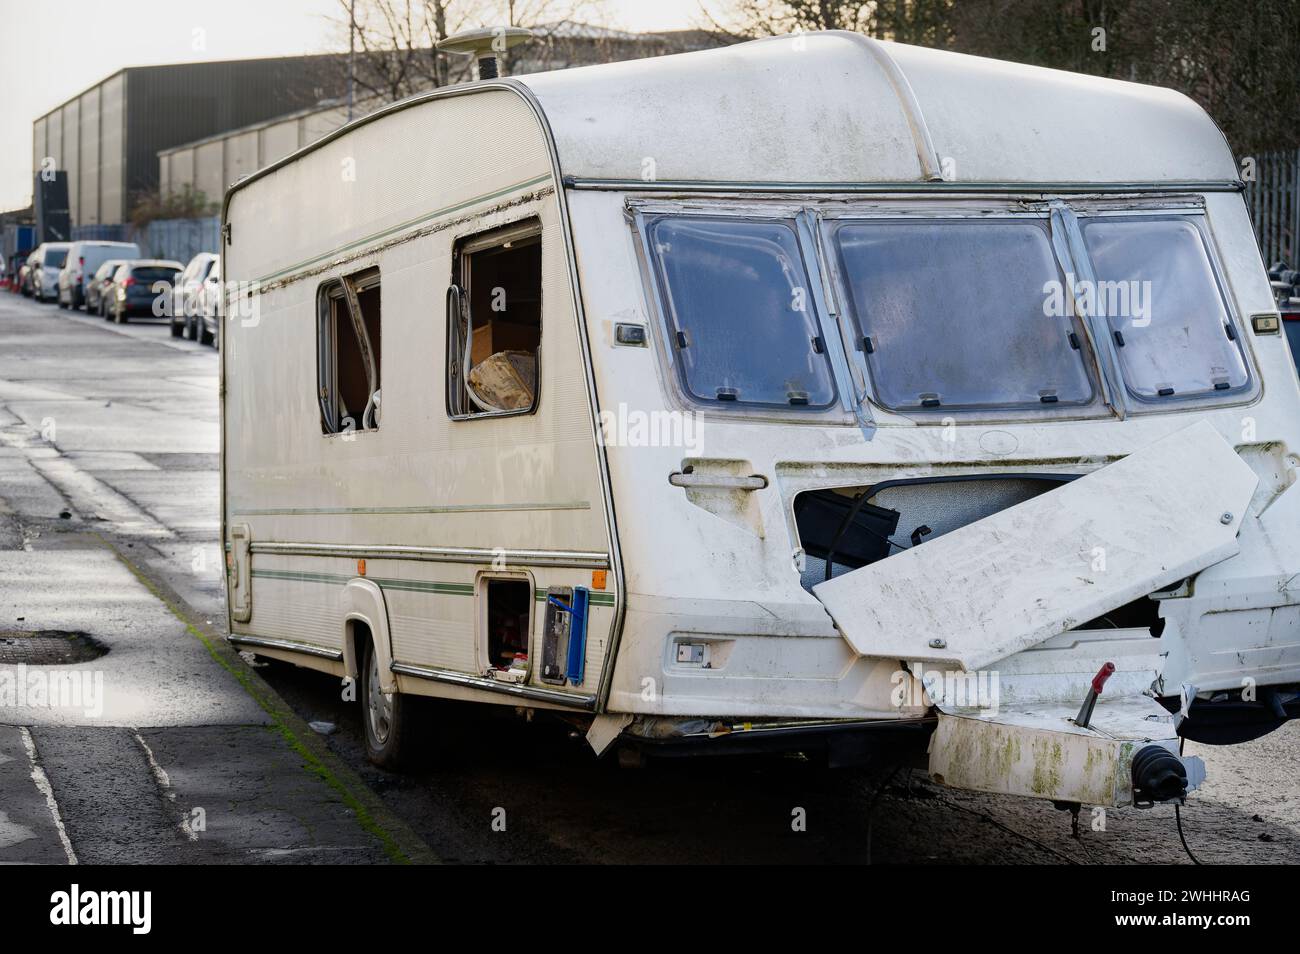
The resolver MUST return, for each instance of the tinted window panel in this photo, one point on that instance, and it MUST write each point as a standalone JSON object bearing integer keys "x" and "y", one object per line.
{"x": 952, "y": 313}
{"x": 742, "y": 318}
{"x": 1176, "y": 342}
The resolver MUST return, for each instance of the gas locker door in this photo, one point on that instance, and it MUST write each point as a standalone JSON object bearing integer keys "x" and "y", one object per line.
{"x": 239, "y": 573}
{"x": 1028, "y": 573}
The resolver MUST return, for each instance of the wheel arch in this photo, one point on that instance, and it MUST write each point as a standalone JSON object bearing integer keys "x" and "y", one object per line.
{"x": 363, "y": 602}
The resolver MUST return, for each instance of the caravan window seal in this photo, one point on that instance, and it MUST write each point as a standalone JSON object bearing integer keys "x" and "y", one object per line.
{"x": 1195, "y": 214}
{"x": 330, "y": 297}
{"x": 527, "y": 230}
{"x": 1087, "y": 406}
{"x": 641, "y": 216}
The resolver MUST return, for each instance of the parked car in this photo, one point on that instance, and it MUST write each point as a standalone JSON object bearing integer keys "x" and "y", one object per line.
{"x": 207, "y": 323}
{"x": 43, "y": 269}
{"x": 96, "y": 300}
{"x": 184, "y": 313}
{"x": 23, "y": 286}
{"x": 84, "y": 258}
{"x": 141, "y": 288}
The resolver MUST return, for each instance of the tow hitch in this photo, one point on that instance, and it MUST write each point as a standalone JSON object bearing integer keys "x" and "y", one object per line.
{"x": 1158, "y": 776}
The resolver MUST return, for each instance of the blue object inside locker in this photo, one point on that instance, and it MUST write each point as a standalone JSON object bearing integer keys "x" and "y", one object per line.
{"x": 577, "y": 656}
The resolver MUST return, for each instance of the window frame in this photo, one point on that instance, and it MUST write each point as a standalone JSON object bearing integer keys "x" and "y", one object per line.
{"x": 1196, "y": 217}
{"x": 859, "y": 402}
{"x": 464, "y": 247}
{"x": 329, "y": 294}
{"x": 643, "y": 213}
{"x": 1094, "y": 408}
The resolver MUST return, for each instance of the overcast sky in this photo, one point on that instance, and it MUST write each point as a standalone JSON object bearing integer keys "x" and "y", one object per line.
{"x": 51, "y": 51}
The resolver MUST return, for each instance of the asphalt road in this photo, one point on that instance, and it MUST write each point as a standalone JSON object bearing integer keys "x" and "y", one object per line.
{"x": 109, "y": 528}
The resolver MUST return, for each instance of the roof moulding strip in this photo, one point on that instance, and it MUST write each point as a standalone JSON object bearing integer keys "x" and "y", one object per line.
{"x": 961, "y": 188}
{"x": 926, "y": 154}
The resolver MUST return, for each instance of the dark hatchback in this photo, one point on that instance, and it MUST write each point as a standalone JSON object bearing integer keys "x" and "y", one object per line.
{"x": 141, "y": 289}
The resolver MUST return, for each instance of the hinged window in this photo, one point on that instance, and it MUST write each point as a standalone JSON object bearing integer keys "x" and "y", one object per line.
{"x": 494, "y": 322}
{"x": 950, "y": 313}
{"x": 742, "y": 319}
{"x": 348, "y": 353}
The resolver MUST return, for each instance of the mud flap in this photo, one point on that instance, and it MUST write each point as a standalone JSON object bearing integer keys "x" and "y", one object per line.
{"x": 1038, "y": 751}
{"x": 1027, "y": 573}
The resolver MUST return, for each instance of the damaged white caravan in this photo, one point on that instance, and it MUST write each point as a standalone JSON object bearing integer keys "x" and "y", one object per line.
{"x": 982, "y": 389}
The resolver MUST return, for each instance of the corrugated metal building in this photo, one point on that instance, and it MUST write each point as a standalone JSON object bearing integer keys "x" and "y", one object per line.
{"x": 210, "y": 165}
{"x": 108, "y": 137}
{"x": 214, "y": 163}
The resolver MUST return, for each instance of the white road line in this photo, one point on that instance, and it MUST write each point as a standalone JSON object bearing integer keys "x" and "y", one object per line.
{"x": 164, "y": 782}
{"x": 43, "y": 785}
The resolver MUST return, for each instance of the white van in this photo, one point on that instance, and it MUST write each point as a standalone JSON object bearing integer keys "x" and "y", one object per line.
{"x": 84, "y": 259}
{"x": 814, "y": 393}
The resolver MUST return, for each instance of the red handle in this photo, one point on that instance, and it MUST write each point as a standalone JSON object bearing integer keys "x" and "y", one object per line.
{"x": 1104, "y": 673}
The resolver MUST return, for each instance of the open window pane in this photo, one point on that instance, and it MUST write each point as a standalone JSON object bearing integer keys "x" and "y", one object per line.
{"x": 1156, "y": 286}
{"x": 494, "y": 338}
{"x": 349, "y": 363}
{"x": 955, "y": 313}
{"x": 741, "y": 313}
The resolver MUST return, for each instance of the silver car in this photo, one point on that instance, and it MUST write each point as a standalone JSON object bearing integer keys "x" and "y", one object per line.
{"x": 45, "y": 264}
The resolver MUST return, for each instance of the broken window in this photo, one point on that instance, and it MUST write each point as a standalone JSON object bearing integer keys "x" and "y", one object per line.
{"x": 348, "y": 353}
{"x": 508, "y": 613}
{"x": 741, "y": 316}
{"x": 494, "y": 322}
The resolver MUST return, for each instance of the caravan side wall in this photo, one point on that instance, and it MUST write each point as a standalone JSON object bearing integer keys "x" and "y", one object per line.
{"x": 397, "y": 192}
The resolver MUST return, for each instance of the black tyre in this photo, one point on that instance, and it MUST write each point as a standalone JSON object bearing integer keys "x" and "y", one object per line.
{"x": 384, "y": 717}
{"x": 177, "y": 330}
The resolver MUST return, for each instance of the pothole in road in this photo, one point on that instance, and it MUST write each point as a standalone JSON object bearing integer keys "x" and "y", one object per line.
{"x": 48, "y": 647}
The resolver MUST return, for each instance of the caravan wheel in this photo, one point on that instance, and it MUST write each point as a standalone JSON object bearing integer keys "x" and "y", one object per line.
{"x": 384, "y": 716}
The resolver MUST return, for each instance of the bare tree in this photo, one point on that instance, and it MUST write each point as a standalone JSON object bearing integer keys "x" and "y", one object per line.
{"x": 910, "y": 21}
{"x": 396, "y": 40}
{"x": 396, "y": 48}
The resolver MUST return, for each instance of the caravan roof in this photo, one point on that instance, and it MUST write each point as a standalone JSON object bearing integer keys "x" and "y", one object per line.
{"x": 839, "y": 107}
{"x": 839, "y": 111}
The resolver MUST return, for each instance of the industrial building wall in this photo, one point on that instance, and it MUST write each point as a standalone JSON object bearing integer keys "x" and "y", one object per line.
{"x": 112, "y": 141}
{"x": 87, "y": 204}
{"x": 39, "y": 150}
{"x": 107, "y": 139}
{"x": 171, "y": 105}
{"x": 72, "y": 155}
{"x": 218, "y": 162}
{"x": 208, "y": 161}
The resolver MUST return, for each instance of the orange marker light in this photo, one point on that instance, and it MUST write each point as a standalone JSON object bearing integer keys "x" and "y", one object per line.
{"x": 598, "y": 579}
{"x": 361, "y": 568}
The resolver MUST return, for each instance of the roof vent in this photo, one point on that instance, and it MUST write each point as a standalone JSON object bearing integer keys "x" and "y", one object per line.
{"x": 485, "y": 44}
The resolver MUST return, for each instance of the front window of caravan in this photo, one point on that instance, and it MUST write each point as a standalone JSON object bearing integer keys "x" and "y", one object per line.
{"x": 1175, "y": 338}
{"x": 742, "y": 323}
{"x": 955, "y": 313}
